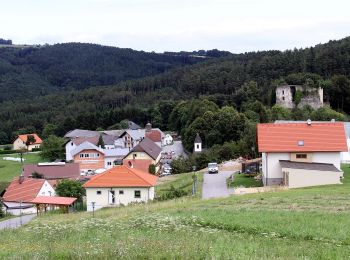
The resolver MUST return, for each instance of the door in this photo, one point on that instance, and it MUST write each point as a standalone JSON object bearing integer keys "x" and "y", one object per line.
{"x": 111, "y": 196}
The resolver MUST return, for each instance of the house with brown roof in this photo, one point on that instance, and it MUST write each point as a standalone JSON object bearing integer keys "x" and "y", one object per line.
{"x": 53, "y": 171}
{"x": 143, "y": 155}
{"x": 21, "y": 191}
{"x": 21, "y": 142}
{"x": 120, "y": 185}
{"x": 301, "y": 154}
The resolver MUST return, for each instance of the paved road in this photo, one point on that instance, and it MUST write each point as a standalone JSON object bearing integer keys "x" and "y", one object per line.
{"x": 16, "y": 222}
{"x": 214, "y": 185}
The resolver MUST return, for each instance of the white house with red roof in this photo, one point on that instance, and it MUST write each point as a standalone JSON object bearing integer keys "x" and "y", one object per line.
{"x": 21, "y": 191}
{"x": 120, "y": 185}
{"x": 21, "y": 142}
{"x": 301, "y": 154}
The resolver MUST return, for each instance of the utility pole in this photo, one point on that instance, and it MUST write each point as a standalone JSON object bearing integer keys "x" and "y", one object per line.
{"x": 93, "y": 209}
{"x": 194, "y": 178}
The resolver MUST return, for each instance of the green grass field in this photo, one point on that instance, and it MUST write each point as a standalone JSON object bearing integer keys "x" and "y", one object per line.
{"x": 243, "y": 180}
{"x": 10, "y": 169}
{"x": 308, "y": 223}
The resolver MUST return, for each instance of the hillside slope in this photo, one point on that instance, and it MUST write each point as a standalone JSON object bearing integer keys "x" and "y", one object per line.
{"x": 33, "y": 71}
{"x": 219, "y": 79}
{"x": 312, "y": 223}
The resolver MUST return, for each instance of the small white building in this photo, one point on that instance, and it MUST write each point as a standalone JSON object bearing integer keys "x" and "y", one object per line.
{"x": 120, "y": 185}
{"x": 21, "y": 191}
{"x": 197, "y": 144}
{"x": 301, "y": 154}
{"x": 167, "y": 140}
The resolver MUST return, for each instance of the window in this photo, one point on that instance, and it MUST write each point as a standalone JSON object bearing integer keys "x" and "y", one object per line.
{"x": 81, "y": 155}
{"x": 121, "y": 192}
{"x": 197, "y": 146}
{"x": 301, "y": 156}
{"x": 109, "y": 163}
{"x": 98, "y": 192}
{"x": 97, "y": 155}
{"x": 137, "y": 194}
{"x": 86, "y": 155}
{"x": 71, "y": 143}
{"x": 282, "y": 98}
{"x": 301, "y": 143}
{"x": 282, "y": 92}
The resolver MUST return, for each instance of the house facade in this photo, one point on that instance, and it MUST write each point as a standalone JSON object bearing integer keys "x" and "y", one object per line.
{"x": 21, "y": 191}
{"x": 89, "y": 157}
{"x": 143, "y": 155}
{"x": 301, "y": 154}
{"x": 120, "y": 185}
{"x": 21, "y": 142}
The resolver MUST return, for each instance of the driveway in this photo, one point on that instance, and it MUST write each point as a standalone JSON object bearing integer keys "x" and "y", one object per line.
{"x": 16, "y": 222}
{"x": 214, "y": 185}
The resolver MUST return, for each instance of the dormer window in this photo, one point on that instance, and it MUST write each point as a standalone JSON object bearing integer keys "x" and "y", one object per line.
{"x": 301, "y": 143}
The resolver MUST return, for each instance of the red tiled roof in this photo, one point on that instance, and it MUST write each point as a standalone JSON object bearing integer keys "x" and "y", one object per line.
{"x": 122, "y": 176}
{"x": 37, "y": 138}
{"x": 53, "y": 200}
{"x": 317, "y": 137}
{"x": 25, "y": 191}
{"x": 154, "y": 134}
{"x": 64, "y": 171}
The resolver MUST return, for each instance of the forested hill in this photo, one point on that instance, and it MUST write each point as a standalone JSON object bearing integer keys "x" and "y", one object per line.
{"x": 244, "y": 81}
{"x": 39, "y": 70}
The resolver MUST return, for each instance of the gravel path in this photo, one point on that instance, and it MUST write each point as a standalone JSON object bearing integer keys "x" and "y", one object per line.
{"x": 16, "y": 222}
{"x": 214, "y": 185}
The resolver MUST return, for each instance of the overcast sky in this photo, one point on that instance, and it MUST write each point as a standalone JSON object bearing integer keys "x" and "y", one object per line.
{"x": 164, "y": 25}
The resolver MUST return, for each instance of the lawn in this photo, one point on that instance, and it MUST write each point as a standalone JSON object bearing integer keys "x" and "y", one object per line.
{"x": 243, "y": 180}
{"x": 181, "y": 181}
{"x": 10, "y": 169}
{"x": 306, "y": 223}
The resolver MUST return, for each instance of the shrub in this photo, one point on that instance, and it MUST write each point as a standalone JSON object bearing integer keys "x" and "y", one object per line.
{"x": 36, "y": 149}
{"x": 152, "y": 169}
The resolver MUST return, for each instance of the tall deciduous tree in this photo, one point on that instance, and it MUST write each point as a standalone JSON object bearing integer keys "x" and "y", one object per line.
{"x": 53, "y": 148}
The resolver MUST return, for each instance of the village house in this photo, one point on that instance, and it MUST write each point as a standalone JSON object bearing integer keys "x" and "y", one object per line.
{"x": 21, "y": 191}
{"x": 52, "y": 170}
{"x": 301, "y": 154}
{"x": 21, "y": 142}
{"x": 120, "y": 185}
{"x": 143, "y": 155}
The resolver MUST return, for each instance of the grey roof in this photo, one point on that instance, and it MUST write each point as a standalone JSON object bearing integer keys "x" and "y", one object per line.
{"x": 116, "y": 133}
{"x": 198, "y": 139}
{"x": 137, "y": 134}
{"x": 81, "y": 133}
{"x": 109, "y": 139}
{"x": 309, "y": 166}
{"x": 119, "y": 152}
{"x": 133, "y": 126}
{"x": 149, "y": 147}
{"x": 86, "y": 146}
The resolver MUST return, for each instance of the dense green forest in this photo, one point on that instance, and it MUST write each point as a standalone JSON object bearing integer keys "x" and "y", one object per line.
{"x": 39, "y": 70}
{"x": 241, "y": 86}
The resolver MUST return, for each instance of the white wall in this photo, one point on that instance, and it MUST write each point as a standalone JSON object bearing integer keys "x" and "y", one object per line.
{"x": 271, "y": 165}
{"x": 345, "y": 156}
{"x": 70, "y": 146}
{"x": 104, "y": 199}
{"x": 327, "y": 157}
{"x": 305, "y": 178}
{"x": 111, "y": 160}
{"x": 46, "y": 190}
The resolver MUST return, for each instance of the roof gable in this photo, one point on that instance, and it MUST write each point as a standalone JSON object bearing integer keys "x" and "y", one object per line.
{"x": 297, "y": 137}
{"x": 149, "y": 147}
{"x": 122, "y": 176}
{"x": 25, "y": 191}
{"x": 24, "y": 138}
{"x": 86, "y": 146}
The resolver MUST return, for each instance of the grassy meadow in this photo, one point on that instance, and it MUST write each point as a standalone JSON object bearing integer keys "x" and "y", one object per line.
{"x": 307, "y": 223}
{"x": 243, "y": 180}
{"x": 11, "y": 169}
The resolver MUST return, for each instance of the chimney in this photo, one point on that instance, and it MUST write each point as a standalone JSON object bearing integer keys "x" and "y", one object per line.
{"x": 148, "y": 127}
{"x": 21, "y": 179}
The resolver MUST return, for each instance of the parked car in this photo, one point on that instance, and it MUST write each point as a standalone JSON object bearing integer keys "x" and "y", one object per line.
{"x": 213, "y": 168}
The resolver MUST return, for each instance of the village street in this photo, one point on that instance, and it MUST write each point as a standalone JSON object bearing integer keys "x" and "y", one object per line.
{"x": 214, "y": 185}
{"x": 16, "y": 222}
